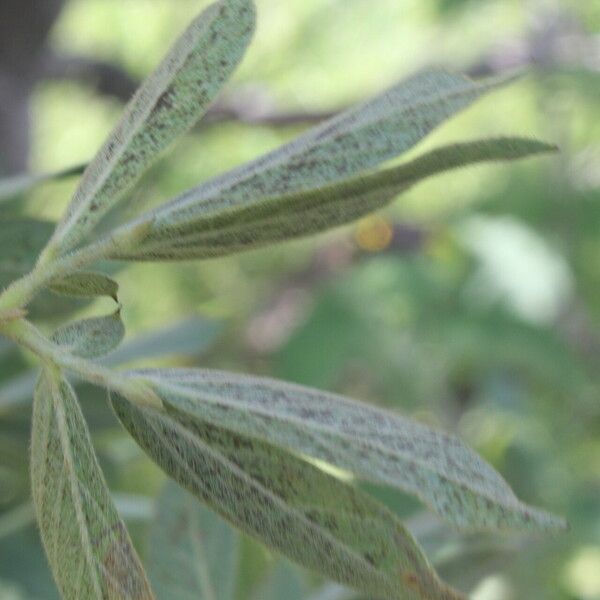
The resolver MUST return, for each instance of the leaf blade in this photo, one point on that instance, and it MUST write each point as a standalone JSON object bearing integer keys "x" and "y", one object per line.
{"x": 167, "y": 104}
{"x": 288, "y": 504}
{"x": 357, "y": 140}
{"x": 376, "y": 445}
{"x": 87, "y": 544}
{"x": 85, "y": 284}
{"x": 280, "y": 218}
{"x": 91, "y": 338}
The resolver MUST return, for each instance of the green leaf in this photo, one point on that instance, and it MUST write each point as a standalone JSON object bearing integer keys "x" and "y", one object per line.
{"x": 379, "y": 446}
{"x": 354, "y": 141}
{"x": 193, "y": 554}
{"x": 87, "y": 545}
{"x": 11, "y": 187}
{"x": 280, "y": 218}
{"x": 21, "y": 241}
{"x": 169, "y": 102}
{"x": 90, "y": 338}
{"x": 85, "y": 285}
{"x": 284, "y": 581}
{"x": 288, "y": 504}
{"x": 187, "y": 337}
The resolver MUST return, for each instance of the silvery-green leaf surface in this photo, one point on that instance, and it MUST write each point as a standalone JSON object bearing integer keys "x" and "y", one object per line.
{"x": 167, "y": 104}
{"x": 90, "y": 338}
{"x": 279, "y": 218}
{"x": 354, "y": 141}
{"x": 192, "y": 553}
{"x": 378, "y": 446}
{"x": 87, "y": 545}
{"x": 288, "y": 504}
{"x": 85, "y": 284}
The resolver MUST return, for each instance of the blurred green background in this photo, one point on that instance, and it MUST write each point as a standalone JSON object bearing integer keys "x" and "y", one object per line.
{"x": 473, "y": 303}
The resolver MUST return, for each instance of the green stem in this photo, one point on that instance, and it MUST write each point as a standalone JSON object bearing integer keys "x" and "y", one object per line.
{"x": 27, "y": 335}
{"x": 20, "y": 292}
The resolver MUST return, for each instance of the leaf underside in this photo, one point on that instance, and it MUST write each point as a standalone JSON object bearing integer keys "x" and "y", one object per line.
{"x": 374, "y": 444}
{"x": 288, "y": 504}
{"x": 359, "y": 139}
{"x": 91, "y": 338}
{"x": 87, "y": 545}
{"x": 167, "y": 104}
{"x": 280, "y": 218}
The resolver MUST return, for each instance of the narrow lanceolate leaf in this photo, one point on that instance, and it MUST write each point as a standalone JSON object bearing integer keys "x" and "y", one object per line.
{"x": 376, "y": 445}
{"x": 169, "y": 102}
{"x": 279, "y": 218}
{"x": 85, "y": 284}
{"x": 192, "y": 553}
{"x": 11, "y": 187}
{"x": 90, "y": 338}
{"x": 288, "y": 504}
{"x": 354, "y": 141}
{"x": 88, "y": 547}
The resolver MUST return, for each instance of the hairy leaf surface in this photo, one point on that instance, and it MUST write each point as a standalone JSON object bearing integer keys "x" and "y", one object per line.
{"x": 193, "y": 554}
{"x": 85, "y": 284}
{"x": 169, "y": 102}
{"x": 354, "y": 141}
{"x": 90, "y": 338}
{"x": 279, "y": 218}
{"x": 88, "y": 547}
{"x": 288, "y": 504}
{"x": 376, "y": 445}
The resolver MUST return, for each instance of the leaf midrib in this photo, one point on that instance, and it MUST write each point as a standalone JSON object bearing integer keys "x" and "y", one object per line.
{"x": 220, "y": 457}
{"x": 73, "y": 483}
{"x": 297, "y": 424}
{"x": 188, "y": 198}
{"x": 130, "y": 132}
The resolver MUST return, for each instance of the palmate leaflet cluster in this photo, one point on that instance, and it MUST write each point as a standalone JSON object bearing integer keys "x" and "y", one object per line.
{"x": 244, "y": 446}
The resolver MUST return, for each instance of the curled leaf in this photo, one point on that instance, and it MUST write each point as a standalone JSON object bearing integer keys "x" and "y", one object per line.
{"x": 288, "y": 504}
{"x": 85, "y": 284}
{"x": 86, "y": 542}
{"x": 90, "y": 338}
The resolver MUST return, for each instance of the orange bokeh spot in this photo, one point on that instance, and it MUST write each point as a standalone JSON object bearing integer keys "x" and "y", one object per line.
{"x": 374, "y": 234}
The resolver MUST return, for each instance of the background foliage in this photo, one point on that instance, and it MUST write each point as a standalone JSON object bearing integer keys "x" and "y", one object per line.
{"x": 472, "y": 303}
